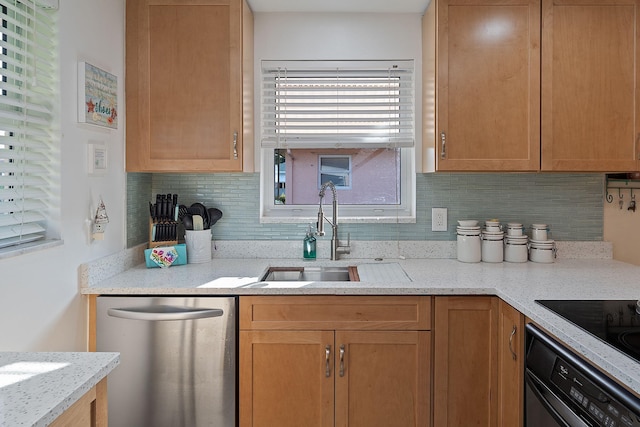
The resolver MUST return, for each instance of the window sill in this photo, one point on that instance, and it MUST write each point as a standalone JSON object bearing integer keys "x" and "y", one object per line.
{"x": 341, "y": 220}
{"x": 13, "y": 251}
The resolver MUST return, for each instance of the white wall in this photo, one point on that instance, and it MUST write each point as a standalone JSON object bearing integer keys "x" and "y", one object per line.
{"x": 622, "y": 228}
{"x": 339, "y": 36}
{"x": 40, "y": 308}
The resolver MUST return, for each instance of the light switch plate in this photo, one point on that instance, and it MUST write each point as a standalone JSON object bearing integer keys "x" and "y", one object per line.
{"x": 438, "y": 219}
{"x": 96, "y": 158}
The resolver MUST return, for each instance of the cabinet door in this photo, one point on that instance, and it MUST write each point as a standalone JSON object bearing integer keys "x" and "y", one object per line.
{"x": 510, "y": 366}
{"x": 286, "y": 378}
{"x": 184, "y": 85}
{"x": 488, "y": 85}
{"x": 590, "y": 119}
{"x": 465, "y": 361}
{"x": 382, "y": 378}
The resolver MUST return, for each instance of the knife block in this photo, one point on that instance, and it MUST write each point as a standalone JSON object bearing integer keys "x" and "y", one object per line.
{"x": 156, "y": 242}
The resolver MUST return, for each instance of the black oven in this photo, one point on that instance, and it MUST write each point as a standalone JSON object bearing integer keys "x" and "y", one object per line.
{"x": 561, "y": 389}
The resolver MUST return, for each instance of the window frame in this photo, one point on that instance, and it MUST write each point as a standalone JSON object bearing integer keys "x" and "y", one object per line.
{"x": 404, "y": 212}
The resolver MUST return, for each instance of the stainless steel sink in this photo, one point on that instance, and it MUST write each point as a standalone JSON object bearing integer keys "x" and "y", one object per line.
{"x": 311, "y": 274}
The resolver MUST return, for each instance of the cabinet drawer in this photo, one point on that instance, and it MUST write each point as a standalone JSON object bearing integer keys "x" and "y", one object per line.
{"x": 335, "y": 312}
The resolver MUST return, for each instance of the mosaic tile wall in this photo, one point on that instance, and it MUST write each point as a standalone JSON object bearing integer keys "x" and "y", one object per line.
{"x": 572, "y": 204}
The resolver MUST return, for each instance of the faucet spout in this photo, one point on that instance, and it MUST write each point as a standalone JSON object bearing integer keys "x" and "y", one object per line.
{"x": 336, "y": 248}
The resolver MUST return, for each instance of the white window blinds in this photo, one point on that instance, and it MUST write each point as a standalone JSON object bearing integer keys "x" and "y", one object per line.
{"x": 28, "y": 100}
{"x": 337, "y": 104}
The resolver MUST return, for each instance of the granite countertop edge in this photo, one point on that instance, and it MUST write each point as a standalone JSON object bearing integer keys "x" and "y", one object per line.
{"x": 39, "y": 399}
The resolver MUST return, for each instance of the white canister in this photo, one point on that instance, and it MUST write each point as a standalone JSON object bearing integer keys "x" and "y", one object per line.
{"x": 198, "y": 244}
{"x": 514, "y": 229}
{"x": 543, "y": 252}
{"x": 515, "y": 249}
{"x": 469, "y": 246}
{"x": 539, "y": 232}
{"x": 492, "y": 247}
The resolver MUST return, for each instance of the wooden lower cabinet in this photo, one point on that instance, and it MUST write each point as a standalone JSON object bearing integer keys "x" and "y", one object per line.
{"x": 334, "y": 377}
{"x": 89, "y": 411}
{"x": 283, "y": 379}
{"x": 510, "y": 366}
{"x": 478, "y": 362}
{"x": 465, "y": 361}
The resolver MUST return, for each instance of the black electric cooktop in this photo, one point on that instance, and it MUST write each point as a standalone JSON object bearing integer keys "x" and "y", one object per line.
{"x": 613, "y": 321}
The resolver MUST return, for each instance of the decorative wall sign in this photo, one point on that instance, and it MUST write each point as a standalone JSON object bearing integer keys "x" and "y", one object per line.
{"x": 97, "y": 96}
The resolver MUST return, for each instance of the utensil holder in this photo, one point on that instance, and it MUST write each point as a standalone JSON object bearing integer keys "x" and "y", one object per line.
{"x": 198, "y": 245}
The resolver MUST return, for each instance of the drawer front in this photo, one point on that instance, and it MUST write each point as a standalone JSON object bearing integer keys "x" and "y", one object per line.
{"x": 335, "y": 312}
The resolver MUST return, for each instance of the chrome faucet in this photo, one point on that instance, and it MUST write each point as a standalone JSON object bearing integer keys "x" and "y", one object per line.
{"x": 336, "y": 248}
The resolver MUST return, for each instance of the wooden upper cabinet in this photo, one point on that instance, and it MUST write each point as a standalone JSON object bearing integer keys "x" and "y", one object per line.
{"x": 590, "y": 116}
{"x": 488, "y": 85}
{"x": 189, "y": 63}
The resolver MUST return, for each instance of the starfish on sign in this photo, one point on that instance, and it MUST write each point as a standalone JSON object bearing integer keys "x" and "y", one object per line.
{"x": 90, "y": 106}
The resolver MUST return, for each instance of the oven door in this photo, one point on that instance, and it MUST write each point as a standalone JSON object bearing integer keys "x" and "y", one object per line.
{"x": 545, "y": 408}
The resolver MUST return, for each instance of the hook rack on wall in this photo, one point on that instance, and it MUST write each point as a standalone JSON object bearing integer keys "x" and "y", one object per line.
{"x": 623, "y": 185}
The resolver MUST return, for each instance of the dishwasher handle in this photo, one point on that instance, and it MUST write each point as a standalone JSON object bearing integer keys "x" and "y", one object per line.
{"x": 164, "y": 312}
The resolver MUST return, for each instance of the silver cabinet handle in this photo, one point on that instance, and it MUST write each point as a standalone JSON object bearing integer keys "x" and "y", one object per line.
{"x": 513, "y": 332}
{"x": 164, "y": 312}
{"x": 235, "y": 145}
{"x": 327, "y": 360}
{"x": 443, "y": 140}
{"x": 342, "y": 360}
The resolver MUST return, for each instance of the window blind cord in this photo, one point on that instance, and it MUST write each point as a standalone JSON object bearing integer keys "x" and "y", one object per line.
{"x": 34, "y": 77}
{"x": 394, "y": 145}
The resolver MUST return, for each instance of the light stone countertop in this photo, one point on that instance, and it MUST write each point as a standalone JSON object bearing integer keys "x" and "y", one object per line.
{"x": 589, "y": 275}
{"x": 36, "y": 388}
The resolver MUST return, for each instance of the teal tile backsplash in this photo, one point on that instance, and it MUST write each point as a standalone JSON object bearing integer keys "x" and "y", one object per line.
{"x": 572, "y": 204}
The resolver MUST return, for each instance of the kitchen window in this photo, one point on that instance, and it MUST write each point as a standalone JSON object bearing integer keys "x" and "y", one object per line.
{"x": 349, "y": 122}
{"x": 28, "y": 106}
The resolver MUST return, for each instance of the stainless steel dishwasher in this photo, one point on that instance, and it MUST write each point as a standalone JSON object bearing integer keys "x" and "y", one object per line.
{"x": 178, "y": 360}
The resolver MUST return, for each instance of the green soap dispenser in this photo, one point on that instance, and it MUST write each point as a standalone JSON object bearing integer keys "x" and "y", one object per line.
{"x": 309, "y": 245}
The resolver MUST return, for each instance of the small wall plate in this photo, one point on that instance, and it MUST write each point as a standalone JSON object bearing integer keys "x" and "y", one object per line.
{"x": 97, "y": 159}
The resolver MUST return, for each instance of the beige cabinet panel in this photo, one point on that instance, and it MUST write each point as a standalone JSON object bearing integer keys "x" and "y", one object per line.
{"x": 590, "y": 118}
{"x": 187, "y": 71}
{"x": 488, "y": 84}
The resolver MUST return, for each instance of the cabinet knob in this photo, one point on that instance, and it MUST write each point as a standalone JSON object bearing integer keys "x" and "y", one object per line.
{"x": 443, "y": 150}
{"x": 342, "y": 360}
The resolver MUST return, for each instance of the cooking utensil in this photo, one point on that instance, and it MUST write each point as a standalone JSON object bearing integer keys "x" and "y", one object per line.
{"x": 214, "y": 215}
{"x": 182, "y": 211}
{"x": 200, "y": 209}
{"x": 198, "y": 223}
{"x": 187, "y": 221}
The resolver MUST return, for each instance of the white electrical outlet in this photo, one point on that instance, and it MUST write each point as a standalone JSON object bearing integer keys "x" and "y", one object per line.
{"x": 438, "y": 219}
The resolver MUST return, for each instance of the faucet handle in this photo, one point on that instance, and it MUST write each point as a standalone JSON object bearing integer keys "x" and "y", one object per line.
{"x": 346, "y": 249}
